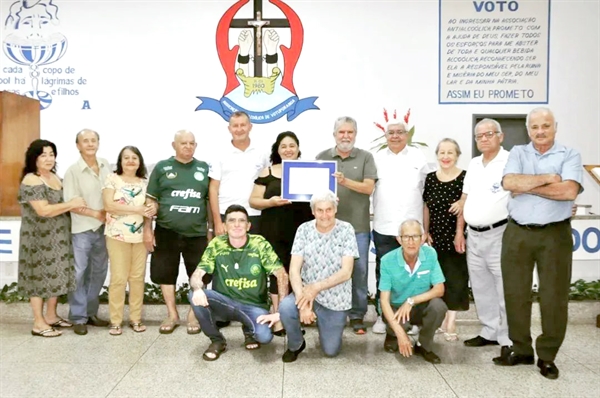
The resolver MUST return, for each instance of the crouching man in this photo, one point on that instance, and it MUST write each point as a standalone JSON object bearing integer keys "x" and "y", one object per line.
{"x": 411, "y": 285}
{"x": 240, "y": 264}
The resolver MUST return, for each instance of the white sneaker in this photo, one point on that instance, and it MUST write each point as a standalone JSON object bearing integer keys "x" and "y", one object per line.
{"x": 379, "y": 326}
{"x": 414, "y": 331}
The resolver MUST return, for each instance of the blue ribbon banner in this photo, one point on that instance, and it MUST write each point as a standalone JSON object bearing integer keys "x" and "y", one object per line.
{"x": 292, "y": 107}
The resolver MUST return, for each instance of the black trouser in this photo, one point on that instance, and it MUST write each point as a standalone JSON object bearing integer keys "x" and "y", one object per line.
{"x": 383, "y": 245}
{"x": 551, "y": 248}
{"x": 429, "y": 315}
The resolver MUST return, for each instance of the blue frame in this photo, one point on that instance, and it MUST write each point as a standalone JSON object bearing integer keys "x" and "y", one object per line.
{"x": 489, "y": 103}
{"x": 287, "y": 165}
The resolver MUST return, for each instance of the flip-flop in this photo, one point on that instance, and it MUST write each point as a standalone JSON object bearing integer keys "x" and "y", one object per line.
{"x": 167, "y": 326}
{"x": 61, "y": 323}
{"x": 193, "y": 328}
{"x": 45, "y": 333}
{"x": 216, "y": 349}
{"x": 137, "y": 327}
{"x": 115, "y": 330}
{"x": 249, "y": 341}
{"x": 451, "y": 336}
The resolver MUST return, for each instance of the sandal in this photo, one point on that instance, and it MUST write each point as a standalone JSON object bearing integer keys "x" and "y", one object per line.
{"x": 216, "y": 349}
{"x": 451, "y": 336}
{"x": 115, "y": 330}
{"x": 440, "y": 331}
{"x": 193, "y": 328}
{"x": 251, "y": 344}
{"x": 168, "y": 325}
{"x": 137, "y": 327}
{"x": 51, "y": 332}
{"x": 61, "y": 323}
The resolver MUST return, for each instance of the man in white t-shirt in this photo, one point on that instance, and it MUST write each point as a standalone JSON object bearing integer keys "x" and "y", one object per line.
{"x": 486, "y": 213}
{"x": 397, "y": 197}
{"x": 233, "y": 171}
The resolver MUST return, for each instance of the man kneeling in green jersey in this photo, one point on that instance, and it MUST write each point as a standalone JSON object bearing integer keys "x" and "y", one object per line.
{"x": 240, "y": 264}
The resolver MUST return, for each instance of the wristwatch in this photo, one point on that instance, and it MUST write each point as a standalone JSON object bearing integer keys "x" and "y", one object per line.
{"x": 410, "y": 301}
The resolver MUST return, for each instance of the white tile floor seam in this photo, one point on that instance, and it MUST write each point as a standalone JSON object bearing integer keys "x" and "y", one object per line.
{"x": 149, "y": 364}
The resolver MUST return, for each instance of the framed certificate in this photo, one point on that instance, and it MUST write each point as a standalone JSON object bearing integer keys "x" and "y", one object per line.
{"x": 301, "y": 179}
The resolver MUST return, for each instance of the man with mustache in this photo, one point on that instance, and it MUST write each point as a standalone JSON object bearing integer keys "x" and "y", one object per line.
{"x": 356, "y": 175}
{"x": 544, "y": 177}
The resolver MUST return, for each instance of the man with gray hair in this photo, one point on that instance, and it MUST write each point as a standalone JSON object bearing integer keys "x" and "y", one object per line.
{"x": 545, "y": 178}
{"x": 85, "y": 179}
{"x": 485, "y": 211}
{"x": 179, "y": 185}
{"x": 398, "y": 195}
{"x": 356, "y": 176}
{"x": 412, "y": 287}
{"x": 322, "y": 259}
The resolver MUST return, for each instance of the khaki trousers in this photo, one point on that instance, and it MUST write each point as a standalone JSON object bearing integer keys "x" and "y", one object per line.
{"x": 127, "y": 264}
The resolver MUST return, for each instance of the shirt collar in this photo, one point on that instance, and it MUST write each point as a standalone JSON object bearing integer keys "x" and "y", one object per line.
{"x": 83, "y": 165}
{"x": 501, "y": 156}
{"x": 406, "y": 267}
{"x": 404, "y": 151}
{"x": 334, "y": 153}
{"x": 556, "y": 148}
{"x": 251, "y": 147}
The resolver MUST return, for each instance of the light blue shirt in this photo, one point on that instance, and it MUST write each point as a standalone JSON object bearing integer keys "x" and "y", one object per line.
{"x": 525, "y": 159}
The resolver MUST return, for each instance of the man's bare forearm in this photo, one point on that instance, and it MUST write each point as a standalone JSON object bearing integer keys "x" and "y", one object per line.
{"x": 196, "y": 279}
{"x": 522, "y": 183}
{"x": 565, "y": 190}
{"x": 282, "y": 283}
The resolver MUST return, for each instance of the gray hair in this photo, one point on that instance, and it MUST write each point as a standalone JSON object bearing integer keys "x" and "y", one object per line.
{"x": 488, "y": 121}
{"x": 450, "y": 140}
{"x": 182, "y": 132}
{"x": 411, "y": 222}
{"x": 86, "y": 131}
{"x": 324, "y": 196}
{"x": 344, "y": 119}
{"x": 396, "y": 123}
{"x": 539, "y": 110}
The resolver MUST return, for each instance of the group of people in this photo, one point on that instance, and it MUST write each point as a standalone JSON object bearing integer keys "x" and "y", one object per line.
{"x": 274, "y": 265}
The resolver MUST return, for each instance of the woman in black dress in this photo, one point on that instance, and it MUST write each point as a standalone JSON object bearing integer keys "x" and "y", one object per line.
{"x": 280, "y": 218}
{"x": 445, "y": 228}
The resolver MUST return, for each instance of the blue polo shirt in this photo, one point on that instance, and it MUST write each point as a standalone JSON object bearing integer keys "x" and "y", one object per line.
{"x": 397, "y": 277}
{"x": 525, "y": 159}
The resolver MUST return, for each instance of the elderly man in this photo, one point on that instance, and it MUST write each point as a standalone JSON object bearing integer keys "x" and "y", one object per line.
{"x": 240, "y": 265}
{"x": 544, "y": 178}
{"x": 180, "y": 187}
{"x": 85, "y": 179}
{"x": 322, "y": 259}
{"x": 412, "y": 287}
{"x": 233, "y": 171}
{"x": 356, "y": 175}
{"x": 398, "y": 195}
{"x": 486, "y": 213}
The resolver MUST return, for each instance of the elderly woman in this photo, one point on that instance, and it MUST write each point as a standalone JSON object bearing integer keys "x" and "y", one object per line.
{"x": 320, "y": 270}
{"x": 280, "y": 218}
{"x": 124, "y": 196}
{"x": 46, "y": 264}
{"x": 445, "y": 229}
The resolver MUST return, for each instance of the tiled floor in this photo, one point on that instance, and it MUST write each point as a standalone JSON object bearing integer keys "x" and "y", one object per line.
{"x": 153, "y": 365}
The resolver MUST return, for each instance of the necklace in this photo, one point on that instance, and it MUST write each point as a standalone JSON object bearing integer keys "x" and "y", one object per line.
{"x": 236, "y": 255}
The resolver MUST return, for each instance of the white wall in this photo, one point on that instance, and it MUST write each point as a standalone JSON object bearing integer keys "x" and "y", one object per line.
{"x": 146, "y": 62}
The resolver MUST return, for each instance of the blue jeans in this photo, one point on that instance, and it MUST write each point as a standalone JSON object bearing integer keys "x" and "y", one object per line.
{"x": 360, "y": 288}
{"x": 383, "y": 245}
{"x": 330, "y": 323}
{"x": 91, "y": 266}
{"x": 223, "y": 308}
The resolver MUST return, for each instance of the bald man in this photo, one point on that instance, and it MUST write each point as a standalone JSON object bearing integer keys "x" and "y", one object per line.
{"x": 179, "y": 185}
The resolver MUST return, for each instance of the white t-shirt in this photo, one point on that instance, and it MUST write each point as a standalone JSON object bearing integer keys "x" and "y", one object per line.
{"x": 236, "y": 170}
{"x": 399, "y": 189}
{"x": 487, "y": 201}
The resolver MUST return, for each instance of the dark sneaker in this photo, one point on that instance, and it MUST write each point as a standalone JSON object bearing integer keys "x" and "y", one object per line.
{"x": 429, "y": 356}
{"x": 291, "y": 356}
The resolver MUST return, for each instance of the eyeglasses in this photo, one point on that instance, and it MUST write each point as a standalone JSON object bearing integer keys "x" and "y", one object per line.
{"x": 487, "y": 134}
{"x": 396, "y": 132}
{"x": 408, "y": 238}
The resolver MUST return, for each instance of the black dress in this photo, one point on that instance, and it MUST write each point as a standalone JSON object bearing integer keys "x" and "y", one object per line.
{"x": 439, "y": 196}
{"x": 279, "y": 224}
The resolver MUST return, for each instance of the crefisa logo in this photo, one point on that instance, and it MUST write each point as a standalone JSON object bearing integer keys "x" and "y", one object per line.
{"x": 259, "y": 71}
